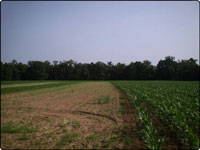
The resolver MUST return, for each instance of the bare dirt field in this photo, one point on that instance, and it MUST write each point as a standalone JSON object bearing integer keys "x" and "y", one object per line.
{"x": 84, "y": 115}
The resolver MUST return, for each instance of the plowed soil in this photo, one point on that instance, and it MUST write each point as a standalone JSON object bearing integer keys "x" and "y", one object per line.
{"x": 85, "y": 115}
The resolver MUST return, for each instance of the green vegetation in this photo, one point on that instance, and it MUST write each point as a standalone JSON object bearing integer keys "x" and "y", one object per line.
{"x": 105, "y": 143}
{"x": 66, "y": 139}
{"x": 11, "y": 128}
{"x": 104, "y": 100}
{"x": 91, "y": 138}
{"x": 75, "y": 124}
{"x": 150, "y": 136}
{"x": 123, "y": 135}
{"x": 161, "y": 106}
{"x": 127, "y": 139}
{"x": 24, "y": 137}
{"x": 26, "y": 81}
{"x": 122, "y": 110}
{"x": 167, "y": 69}
{"x": 121, "y": 97}
{"x": 116, "y": 131}
{"x": 123, "y": 103}
{"x": 61, "y": 125}
{"x": 176, "y": 104}
{"x": 95, "y": 146}
{"x": 27, "y": 88}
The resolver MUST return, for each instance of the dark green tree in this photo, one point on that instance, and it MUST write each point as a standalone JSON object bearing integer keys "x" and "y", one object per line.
{"x": 166, "y": 69}
{"x": 36, "y": 71}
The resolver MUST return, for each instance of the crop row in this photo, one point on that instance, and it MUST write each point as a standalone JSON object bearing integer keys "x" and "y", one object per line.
{"x": 176, "y": 103}
{"x": 35, "y": 87}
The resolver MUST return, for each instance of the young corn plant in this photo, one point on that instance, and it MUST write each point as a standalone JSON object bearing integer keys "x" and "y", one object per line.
{"x": 149, "y": 133}
{"x": 175, "y": 102}
{"x": 150, "y": 137}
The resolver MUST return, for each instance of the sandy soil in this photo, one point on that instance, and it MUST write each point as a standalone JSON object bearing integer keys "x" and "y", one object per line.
{"x": 71, "y": 109}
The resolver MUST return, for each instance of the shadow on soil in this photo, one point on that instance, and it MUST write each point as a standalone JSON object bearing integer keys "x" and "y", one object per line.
{"x": 89, "y": 113}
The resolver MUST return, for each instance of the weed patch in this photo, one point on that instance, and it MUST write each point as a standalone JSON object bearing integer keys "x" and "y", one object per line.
{"x": 96, "y": 146}
{"x": 64, "y": 130}
{"x": 24, "y": 138}
{"x": 121, "y": 97}
{"x": 91, "y": 138}
{"x": 122, "y": 103}
{"x": 116, "y": 131}
{"x": 122, "y": 110}
{"x": 104, "y": 100}
{"x": 68, "y": 138}
{"x": 27, "y": 88}
{"x": 75, "y": 124}
{"x": 127, "y": 139}
{"x": 61, "y": 125}
{"x": 11, "y": 128}
{"x": 105, "y": 143}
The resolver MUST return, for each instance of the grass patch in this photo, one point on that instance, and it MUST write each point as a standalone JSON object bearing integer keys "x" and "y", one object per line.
{"x": 11, "y": 128}
{"x": 122, "y": 103}
{"x": 105, "y": 143}
{"x": 64, "y": 130}
{"x": 27, "y": 81}
{"x": 104, "y": 100}
{"x": 27, "y": 88}
{"x": 66, "y": 139}
{"x": 116, "y": 131}
{"x": 75, "y": 124}
{"x": 127, "y": 139}
{"x": 96, "y": 146}
{"x": 62, "y": 125}
{"x": 125, "y": 128}
{"x": 37, "y": 142}
{"x": 51, "y": 122}
{"x": 122, "y": 110}
{"x": 24, "y": 137}
{"x": 51, "y": 90}
{"x": 89, "y": 117}
{"x": 91, "y": 138}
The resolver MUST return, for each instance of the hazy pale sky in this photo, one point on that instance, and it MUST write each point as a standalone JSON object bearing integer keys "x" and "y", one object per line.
{"x": 104, "y": 31}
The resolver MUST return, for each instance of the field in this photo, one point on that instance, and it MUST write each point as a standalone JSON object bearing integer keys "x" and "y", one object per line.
{"x": 99, "y": 114}
{"x": 168, "y": 111}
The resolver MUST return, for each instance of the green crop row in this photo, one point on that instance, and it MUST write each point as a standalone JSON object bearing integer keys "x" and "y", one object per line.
{"x": 176, "y": 103}
{"x": 149, "y": 133}
{"x": 34, "y": 87}
{"x": 26, "y": 81}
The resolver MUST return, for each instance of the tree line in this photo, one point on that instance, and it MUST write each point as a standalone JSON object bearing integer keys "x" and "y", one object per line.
{"x": 167, "y": 69}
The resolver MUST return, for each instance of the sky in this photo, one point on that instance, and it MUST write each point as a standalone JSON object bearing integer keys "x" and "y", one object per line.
{"x": 104, "y": 31}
